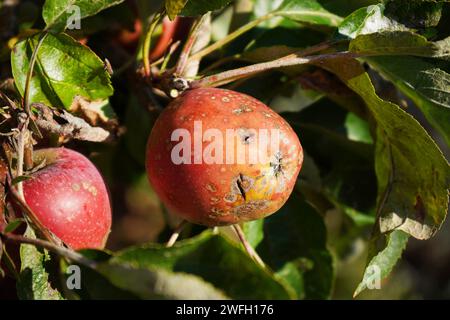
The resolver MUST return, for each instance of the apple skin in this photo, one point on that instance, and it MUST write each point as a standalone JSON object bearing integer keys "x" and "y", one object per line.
{"x": 221, "y": 194}
{"x": 69, "y": 197}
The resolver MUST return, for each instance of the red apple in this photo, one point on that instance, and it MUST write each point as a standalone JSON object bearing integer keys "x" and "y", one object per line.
{"x": 69, "y": 197}
{"x": 129, "y": 39}
{"x": 208, "y": 185}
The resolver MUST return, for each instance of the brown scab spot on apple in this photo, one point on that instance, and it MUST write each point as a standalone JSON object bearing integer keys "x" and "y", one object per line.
{"x": 251, "y": 207}
{"x": 215, "y": 212}
{"x": 230, "y": 197}
{"x": 242, "y": 184}
{"x": 242, "y": 109}
{"x": 211, "y": 187}
{"x": 277, "y": 165}
{"x": 90, "y": 188}
{"x": 214, "y": 200}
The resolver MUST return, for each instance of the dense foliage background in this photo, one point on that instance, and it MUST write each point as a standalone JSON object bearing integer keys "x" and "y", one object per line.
{"x": 374, "y": 123}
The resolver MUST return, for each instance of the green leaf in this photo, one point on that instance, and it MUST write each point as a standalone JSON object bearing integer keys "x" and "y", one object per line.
{"x": 397, "y": 43}
{"x": 153, "y": 283}
{"x": 174, "y": 7}
{"x": 294, "y": 246}
{"x": 253, "y": 231}
{"x": 34, "y": 279}
{"x": 200, "y": 7}
{"x": 64, "y": 70}
{"x": 121, "y": 280}
{"x": 18, "y": 179}
{"x": 212, "y": 258}
{"x": 342, "y": 162}
{"x": 310, "y": 11}
{"x": 382, "y": 264}
{"x": 368, "y": 20}
{"x": 13, "y": 225}
{"x": 345, "y": 7}
{"x": 424, "y": 82}
{"x": 357, "y": 129}
{"x": 413, "y": 176}
{"x": 359, "y": 219}
{"x": 95, "y": 286}
{"x": 58, "y": 14}
{"x": 415, "y": 13}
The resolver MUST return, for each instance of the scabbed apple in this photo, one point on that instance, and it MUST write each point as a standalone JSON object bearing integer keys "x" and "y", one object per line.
{"x": 214, "y": 188}
{"x": 69, "y": 197}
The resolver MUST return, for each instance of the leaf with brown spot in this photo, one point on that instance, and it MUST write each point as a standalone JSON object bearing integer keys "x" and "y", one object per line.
{"x": 408, "y": 164}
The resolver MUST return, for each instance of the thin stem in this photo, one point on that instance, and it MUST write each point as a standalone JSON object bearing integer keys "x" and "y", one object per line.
{"x": 230, "y": 37}
{"x": 24, "y": 133}
{"x": 26, "y": 94}
{"x": 243, "y": 72}
{"x": 59, "y": 250}
{"x": 176, "y": 233}
{"x": 185, "y": 53}
{"x": 166, "y": 58}
{"x": 251, "y": 252}
{"x": 21, "y": 138}
{"x": 148, "y": 41}
{"x": 317, "y": 47}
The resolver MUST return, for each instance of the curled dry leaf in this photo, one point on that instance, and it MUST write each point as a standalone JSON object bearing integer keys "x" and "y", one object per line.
{"x": 96, "y": 113}
{"x": 203, "y": 37}
{"x": 68, "y": 126}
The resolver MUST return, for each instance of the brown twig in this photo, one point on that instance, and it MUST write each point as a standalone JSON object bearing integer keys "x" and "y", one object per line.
{"x": 239, "y": 73}
{"x": 59, "y": 250}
